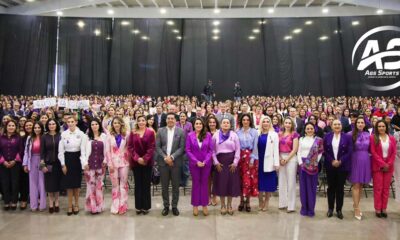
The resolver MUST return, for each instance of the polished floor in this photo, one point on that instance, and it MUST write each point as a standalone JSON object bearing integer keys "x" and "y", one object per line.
{"x": 273, "y": 224}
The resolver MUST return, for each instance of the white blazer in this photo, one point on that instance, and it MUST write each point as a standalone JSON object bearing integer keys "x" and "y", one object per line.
{"x": 271, "y": 156}
{"x": 88, "y": 150}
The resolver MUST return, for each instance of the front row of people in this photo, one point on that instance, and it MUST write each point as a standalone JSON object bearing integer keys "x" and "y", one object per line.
{"x": 247, "y": 163}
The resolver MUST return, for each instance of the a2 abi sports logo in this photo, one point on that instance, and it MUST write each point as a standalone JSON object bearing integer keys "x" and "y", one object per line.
{"x": 380, "y": 67}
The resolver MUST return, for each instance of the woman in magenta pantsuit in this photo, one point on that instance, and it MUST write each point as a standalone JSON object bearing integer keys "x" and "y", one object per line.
{"x": 199, "y": 149}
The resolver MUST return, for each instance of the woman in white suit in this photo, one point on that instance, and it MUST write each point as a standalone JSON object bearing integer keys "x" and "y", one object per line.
{"x": 268, "y": 155}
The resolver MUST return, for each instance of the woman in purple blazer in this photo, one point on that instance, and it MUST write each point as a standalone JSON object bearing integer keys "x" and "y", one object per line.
{"x": 337, "y": 152}
{"x": 199, "y": 149}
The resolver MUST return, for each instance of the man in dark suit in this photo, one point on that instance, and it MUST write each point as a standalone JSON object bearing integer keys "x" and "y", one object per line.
{"x": 16, "y": 111}
{"x": 170, "y": 147}
{"x": 160, "y": 117}
{"x": 298, "y": 122}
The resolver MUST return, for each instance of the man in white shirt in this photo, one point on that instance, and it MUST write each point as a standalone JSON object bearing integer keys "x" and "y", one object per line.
{"x": 170, "y": 147}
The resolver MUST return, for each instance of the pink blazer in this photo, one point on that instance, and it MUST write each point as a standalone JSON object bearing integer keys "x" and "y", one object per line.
{"x": 117, "y": 157}
{"x": 377, "y": 156}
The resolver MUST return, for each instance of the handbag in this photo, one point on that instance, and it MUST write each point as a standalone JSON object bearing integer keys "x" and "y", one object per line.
{"x": 155, "y": 175}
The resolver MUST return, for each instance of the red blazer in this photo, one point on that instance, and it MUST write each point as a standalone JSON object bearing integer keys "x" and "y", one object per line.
{"x": 141, "y": 147}
{"x": 377, "y": 156}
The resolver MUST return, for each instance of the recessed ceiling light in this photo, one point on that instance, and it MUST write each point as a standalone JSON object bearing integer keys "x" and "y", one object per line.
{"x": 215, "y": 37}
{"x": 163, "y": 11}
{"x": 336, "y": 32}
{"x": 215, "y": 31}
{"x": 323, "y": 38}
{"x": 309, "y": 22}
{"x": 125, "y": 23}
{"x": 288, "y": 37}
{"x": 136, "y": 31}
{"x": 325, "y": 10}
{"x": 108, "y": 38}
{"x": 271, "y": 10}
{"x": 97, "y": 32}
{"x": 379, "y": 11}
{"x": 170, "y": 22}
{"x": 175, "y": 31}
{"x": 355, "y": 23}
{"x": 297, "y": 30}
{"x": 30, "y": 0}
{"x": 59, "y": 13}
{"x": 81, "y": 24}
{"x": 252, "y": 37}
{"x": 145, "y": 38}
{"x": 179, "y": 37}
{"x": 217, "y": 10}
{"x": 216, "y": 23}
{"x": 256, "y": 30}
{"x": 110, "y": 12}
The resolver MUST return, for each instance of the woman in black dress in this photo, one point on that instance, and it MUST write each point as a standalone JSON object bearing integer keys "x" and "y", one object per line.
{"x": 50, "y": 164}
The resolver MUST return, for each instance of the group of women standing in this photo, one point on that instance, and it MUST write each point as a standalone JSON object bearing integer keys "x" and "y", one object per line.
{"x": 250, "y": 163}
{"x": 247, "y": 163}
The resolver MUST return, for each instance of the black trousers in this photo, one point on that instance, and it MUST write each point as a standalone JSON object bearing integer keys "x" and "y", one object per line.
{"x": 142, "y": 176}
{"x": 23, "y": 186}
{"x": 336, "y": 181}
{"x": 10, "y": 183}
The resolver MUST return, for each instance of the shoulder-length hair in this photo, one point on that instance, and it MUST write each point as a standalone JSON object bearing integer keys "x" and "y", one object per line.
{"x": 250, "y": 119}
{"x": 305, "y": 126}
{"x": 91, "y": 133}
{"x": 8, "y": 122}
{"x": 217, "y": 126}
{"x": 376, "y": 133}
{"x": 292, "y": 129}
{"x": 262, "y": 120}
{"x": 155, "y": 125}
{"x": 137, "y": 119}
{"x": 56, "y": 122}
{"x": 123, "y": 127}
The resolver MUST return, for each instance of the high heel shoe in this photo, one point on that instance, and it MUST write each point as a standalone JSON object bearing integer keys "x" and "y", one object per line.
{"x": 195, "y": 212}
{"x": 205, "y": 211}
{"x": 247, "y": 207}
{"x": 223, "y": 211}
{"x": 69, "y": 213}
{"x": 358, "y": 217}
{"x": 76, "y": 211}
{"x": 241, "y": 206}
{"x": 23, "y": 206}
{"x": 230, "y": 211}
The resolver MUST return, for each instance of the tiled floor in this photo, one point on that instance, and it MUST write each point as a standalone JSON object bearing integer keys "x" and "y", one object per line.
{"x": 274, "y": 224}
